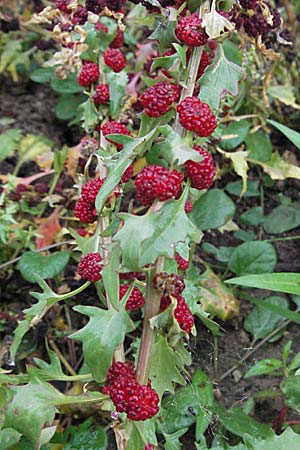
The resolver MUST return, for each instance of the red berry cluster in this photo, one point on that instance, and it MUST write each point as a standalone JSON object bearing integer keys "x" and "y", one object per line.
{"x": 158, "y": 99}
{"x": 139, "y": 402}
{"x": 114, "y": 58}
{"x": 128, "y": 174}
{"x": 182, "y": 312}
{"x": 157, "y": 182}
{"x": 201, "y": 173}
{"x": 168, "y": 284}
{"x": 89, "y": 74}
{"x": 101, "y": 94}
{"x": 196, "y": 116}
{"x": 90, "y": 267}
{"x": 135, "y": 300}
{"x": 114, "y": 127}
{"x": 182, "y": 264}
{"x": 85, "y": 207}
{"x": 189, "y": 31}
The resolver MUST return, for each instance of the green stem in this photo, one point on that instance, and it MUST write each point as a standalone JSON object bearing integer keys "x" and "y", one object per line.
{"x": 152, "y": 304}
{"x": 288, "y": 238}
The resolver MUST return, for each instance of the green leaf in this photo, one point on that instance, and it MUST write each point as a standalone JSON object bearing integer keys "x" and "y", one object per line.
{"x": 236, "y": 187}
{"x": 259, "y": 146}
{"x": 239, "y": 423}
{"x": 285, "y": 94}
{"x": 245, "y": 236}
{"x": 283, "y": 218}
{"x": 8, "y": 438}
{"x": 67, "y": 86}
{"x": 89, "y": 115}
{"x": 220, "y": 78}
{"x": 48, "y": 266}
{"x": 261, "y": 321}
{"x": 9, "y": 143}
{"x": 253, "y": 258}
{"x": 165, "y": 365}
{"x": 164, "y": 32}
{"x": 234, "y": 134}
{"x": 254, "y": 216}
{"x": 240, "y": 166}
{"x": 117, "y": 84}
{"x": 101, "y": 337}
{"x": 66, "y": 107}
{"x": 292, "y": 135}
{"x": 215, "y": 23}
{"x": 264, "y": 367}
{"x": 33, "y": 145}
{"x": 288, "y": 439}
{"x": 175, "y": 149}
{"x": 110, "y": 275}
{"x": 281, "y": 310}
{"x": 291, "y": 388}
{"x": 88, "y": 440}
{"x": 156, "y": 233}
{"x": 278, "y": 168}
{"x": 212, "y": 210}
{"x": 288, "y": 282}
{"x": 42, "y": 75}
{"x": 49, "y": 371}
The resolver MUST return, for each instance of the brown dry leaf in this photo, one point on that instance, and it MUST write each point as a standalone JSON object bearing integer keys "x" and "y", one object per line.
{"x": 48, "y": 229}
{"x": 72, "y": 161}
{"x": 45, "y": 160}
{"x": 216, "y": 297}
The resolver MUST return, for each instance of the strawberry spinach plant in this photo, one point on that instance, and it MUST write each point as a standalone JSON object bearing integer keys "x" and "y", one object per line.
{"x": 156, "y": 81}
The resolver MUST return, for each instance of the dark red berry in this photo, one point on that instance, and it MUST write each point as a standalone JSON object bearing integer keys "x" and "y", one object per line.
{"x": 101, "y": 94}
{"x": 85, "y": 212}
{"x": 118, "y": 39}
{"x": 132, "y": 276}
{"x": 135, "y": 300}
{"x": 188, "y": 206}
{"x": 101, "y": 27}
{"x": 82, "y": 232}
{"x": 90, "y": 267}
{"x": 189, "y": 30}
{"x": 62, "y": 5}
{"x": 204, "y": 62}
{"x": 21, "y": 187}
{"x": 80, "y": 16}
{"x": 41, "y": 187}
{"x": 128, "y": 174}
{"x": 90, "y": 190}
{"x": 157, "y": 182}
{"x": 201, "y": 173}
{"x": 114, "y": 127}
{"x": 168, "y": 283}
{"x": 182, "y": 312}
{"x": 182, "y": 264}
{"x": 114, "y": 59}
{"x": 158, "y": 99}
{"x": 89, "y": 74}
{"x": 196, "y": 116}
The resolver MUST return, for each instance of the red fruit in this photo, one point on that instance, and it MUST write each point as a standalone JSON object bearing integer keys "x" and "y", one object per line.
{"x": 201, "y": 173}
{"x": 204, "y": 62}
{"x": 100, "y": 26}
{"x": 157, "y": 182}
{"x": 119, "y": 369}
{"x": 168, "y": 283}
{"x": 196, "y": 116}
{"x": 114, "y": 127}
{"x": 85, "y": 212}
{"x": 143, "y": 404}
{"x": 41, "y": 187}
{"x": 157, "y": 100}
{"x": 118, "y": 39}
{"x": 135, "y": 300}
{"x": 82, "y": 232}
{"x": 89, "y": 74}
{"x": 90, "y": 190}
{"x": 89, "y": 267}
{"x": 127, "y": 174}
{"x": 132, "y": 276}
{"x": 80, "y": 16}
{"x": 101, "y": 94}
{"x": 182, "y": 264}
{"x": 62, "y": 5}
{"x": 114, "y": 59}
{"x": 182, "y": 312}
{"x": 190, "y": 31}
{"x": 188, "y": 206}
{"x": 21, "y": 187}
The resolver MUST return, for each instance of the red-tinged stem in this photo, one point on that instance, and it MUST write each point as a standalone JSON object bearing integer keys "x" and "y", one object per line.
{"x": 152, "y": 304}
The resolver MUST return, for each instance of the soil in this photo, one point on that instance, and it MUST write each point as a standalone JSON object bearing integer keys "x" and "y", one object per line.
{"x": 31, "y": 106}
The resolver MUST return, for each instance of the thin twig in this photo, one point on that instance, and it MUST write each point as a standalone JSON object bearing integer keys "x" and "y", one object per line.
{"x": 62, "y": 358}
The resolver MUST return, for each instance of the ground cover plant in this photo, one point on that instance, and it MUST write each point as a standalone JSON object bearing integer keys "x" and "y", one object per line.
{"x": 148, "y": 220}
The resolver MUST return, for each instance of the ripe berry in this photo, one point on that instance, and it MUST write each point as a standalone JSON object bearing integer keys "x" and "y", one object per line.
{"x": 21, "y": 187}
{"x": 89, "y": 74}
{"x": 127, "y": 174}
{"x": 196, "y": 116}
{"x": 204, "y": 62}
{"x": 89, "y": 267}
{"x": 115, "y": 5}
{"x": 157, "y": 100}
{"x": 85, "y": 212}
{"x": 188, "y": 206}
{"x": 190, "y": 31}
{"x": 80, "y": 16}
{"x": 118, "y": 39}
{"x": 62, "y": 5}
{"x": 143, "y": 404}
{"x": 182, "y": 312}
{"x": 182, "y": 264}
{"x": 82, "y": 232}
{"x": 100, "y": 26}
{"x": 90, "y": 190}
{"x": 114, "y": 127}
{"x": 132, "y": 276}
{"x": 168, "y": 283}
{"x": 157, "y": 182}
{"x": 135, "y": 300}
{"x": 201, "y": 173}
{"x": 41, "y": 187}
{"x": 114, "y": 59}
{"x": 101, "y": 94}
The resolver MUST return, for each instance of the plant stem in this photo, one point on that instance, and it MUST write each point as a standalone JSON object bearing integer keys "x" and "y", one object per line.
{"x": 152, "y": 303}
